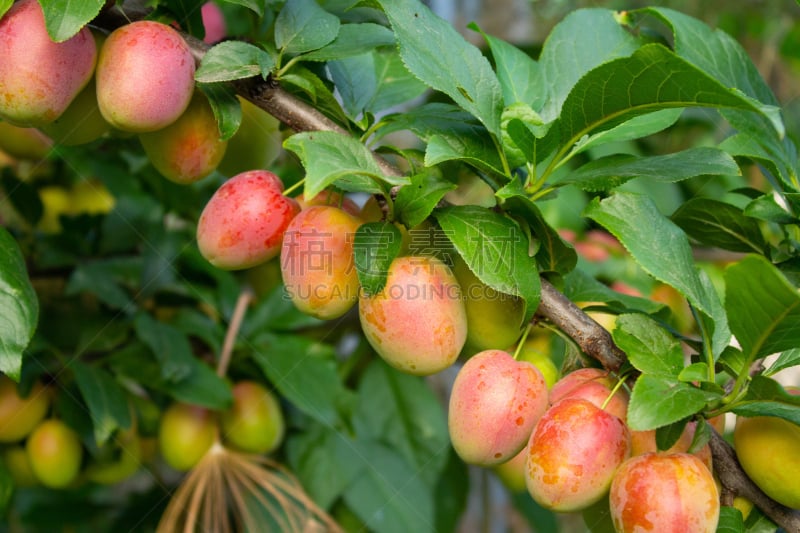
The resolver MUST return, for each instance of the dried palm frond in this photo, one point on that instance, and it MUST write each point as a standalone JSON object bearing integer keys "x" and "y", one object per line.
{"x": 229, "y": 491}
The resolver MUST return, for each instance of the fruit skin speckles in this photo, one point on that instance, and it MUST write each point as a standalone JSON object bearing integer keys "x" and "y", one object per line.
{"x": 243, "y": 223}
{"x": 421, "y": 296}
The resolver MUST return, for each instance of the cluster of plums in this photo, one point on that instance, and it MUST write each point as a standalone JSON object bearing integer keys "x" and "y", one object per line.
{"x": 137, "y": 80}
{"x": 38, "y": 449}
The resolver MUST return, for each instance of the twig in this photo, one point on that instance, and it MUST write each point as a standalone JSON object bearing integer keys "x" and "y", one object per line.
{"x": 245, "y": 297}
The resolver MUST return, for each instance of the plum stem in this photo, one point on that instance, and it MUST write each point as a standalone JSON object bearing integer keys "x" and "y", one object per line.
{"x": 522, "y": 341}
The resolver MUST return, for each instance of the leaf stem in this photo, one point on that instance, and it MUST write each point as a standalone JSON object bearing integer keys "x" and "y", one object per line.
{"x": 294, "y": 187}
{"x": 620, "y": 382}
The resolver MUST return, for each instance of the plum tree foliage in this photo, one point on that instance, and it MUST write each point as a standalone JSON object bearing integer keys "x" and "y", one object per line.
{"x": 416, "y": 199}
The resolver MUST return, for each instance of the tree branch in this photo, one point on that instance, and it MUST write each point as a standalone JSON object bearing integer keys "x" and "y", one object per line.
{"x": 734, "y": 479}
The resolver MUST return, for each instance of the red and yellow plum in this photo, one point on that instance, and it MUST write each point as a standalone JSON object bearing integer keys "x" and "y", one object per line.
{"x": 594, "y": 385}
{"x": 664, "y": 493}
{"x": 417, "y": 323}
{"x": 573, "y": 454}
{"x": 494, "y": 405}
{"x": 190, "y": 148}
{"x": 242, "y": 225}
{"x": 317, "y": 263}
{"x": 39, "y": 77}
{"x": 145, "y": 76}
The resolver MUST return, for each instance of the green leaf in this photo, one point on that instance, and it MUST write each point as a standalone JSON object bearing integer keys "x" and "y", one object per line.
{"x": 170, "y": 347}
{"x": 474, "y": 147}
{"x": 719, "y": 224}
{"x": 657, "y": 244}
{"x": 226, "y": 107}
{"x": 634, "y": 128}
{"x": 429, "y": 120}
{"x": 104, "y": 278}
{"x": 651, "y": 79}
{"x": 766, "y": 397}
{"x": 233, "y": 60}
{"x": 257, "y": 6}
{"x": 667, "y": 436}
{"x": 23, "y": 197}
{"x": 763, "y": 308}
{"x": 451, "y": 493}
{"x": 64, "y": 18}
{"x": 416, "y": 201}
{"x": 730, "y": 520}
{"x": 201, "y": 387}
{"x": 553, "y": 253}
{"x": 325, "y": 461}
{"x": 611, "y": 171}
{"x": 186, "y": 14}
{"x": 390, "y": 496}
{"x": 495, "y": 249}
{"x": 787, "y": 359}
{"x": 658, "y": 401}
{"x": 5, "y": 5}
{"x": 319, "y": 94}
{"x": 353, "y": 39}
{"x": 715, "y": 52}
{"x": 766, "y": 208}
{"x": 649, "y": 347}
{"x": 519, "y": 75}
{"x": 19, "y": 306}
{"x": 302, "y": 26}
{"x": 304, "y": 371}
{"x": 107, "y": 403}
{"x": 375, "y": 247}
{"x": 754, "y": 141}
{"x": 581, "y": 287}
{"x": 403, "y": 412}
{"x": 337, "y": 158}
{"x": 439, "y": 56}
{"x": 583, "y": 40}
{"x": 694, "y": 372}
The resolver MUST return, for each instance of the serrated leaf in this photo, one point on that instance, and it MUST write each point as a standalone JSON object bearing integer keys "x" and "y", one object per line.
{"x": 476, "y": 148}
{"x": 64, "y": 18}
{"x": 637, "y": 224}
{"x": 766, "y": 208}
{"x": 390, "y": 496}
{"x": 649, "y": 347}
{"x": 375, "y": 246}
{"x": 233, "y": 60}
{"x": 634, "y": 128}
{"x": 583, "y": 40}
{"x": 304, "y": 371}
{"x": 766, "y": 397}
{"x": 226, "y": 107}
{"x": 519, "y": 138}
{"x": 658, "y": 401}
{"x": 763, "y": 308}
{"x": 581, "y": 287}
{"x": 651, "y": 79}
{"x": 439, "y": 56}
{"x": 19, "y": 306}
{"x": 787, "y": 359}
{"x": 719, "y": 224}
{"x": 108, "y": 406}
{"x": 416, "y": 201}
{"x": 403, "y": 412}
{"x": 520, "y": 77}
{"x": 353, "y": 39}
{"x": 694, "y": 372}
{"x": 302, "y": 26}
{"x": 330, "y": 157}
{"x": 316, "y": 90}
{"x": 495, "y": 249}
{"x": 614, "y": 170}
{"x": 428, "y": 120}
{"x": 553, "y": 253}
{"x": 757, "y": 141}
